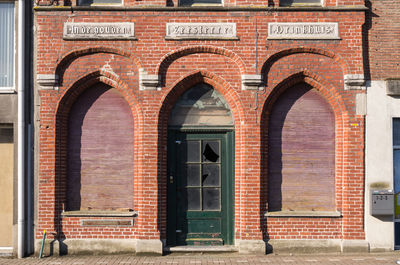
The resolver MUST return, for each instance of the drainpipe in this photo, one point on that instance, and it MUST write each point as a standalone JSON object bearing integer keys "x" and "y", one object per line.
{"x": 21, "y": 129}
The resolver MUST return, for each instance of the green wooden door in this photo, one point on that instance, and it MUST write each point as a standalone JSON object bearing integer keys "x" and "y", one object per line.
{"x": 200, "y": 189}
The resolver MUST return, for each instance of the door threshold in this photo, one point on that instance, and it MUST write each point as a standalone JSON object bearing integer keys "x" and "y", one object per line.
{"x": 213, "y": 249}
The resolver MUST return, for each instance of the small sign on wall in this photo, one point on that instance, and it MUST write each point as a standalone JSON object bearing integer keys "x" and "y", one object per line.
{"x": 200, "y": 31}
{"x": 303, "y": 31}
{"x": 96, "y": 31}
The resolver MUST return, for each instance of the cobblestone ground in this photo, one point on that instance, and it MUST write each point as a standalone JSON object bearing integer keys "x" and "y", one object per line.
{"x": 376, "y": 259}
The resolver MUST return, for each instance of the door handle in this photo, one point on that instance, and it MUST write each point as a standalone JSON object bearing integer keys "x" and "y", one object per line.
{"x": 171, "y": 179}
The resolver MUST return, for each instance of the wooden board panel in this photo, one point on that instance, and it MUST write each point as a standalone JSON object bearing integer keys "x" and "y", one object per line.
{"x": 100, "y": 151}
{"x": 6, "y": 186}
{"x": 301, "y": 152}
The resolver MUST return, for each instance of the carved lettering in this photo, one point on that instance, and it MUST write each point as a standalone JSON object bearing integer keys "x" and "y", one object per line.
{"x": 99, "y": 31}
{"x": 200, "y": 30}
{"x": 303, "y": 31}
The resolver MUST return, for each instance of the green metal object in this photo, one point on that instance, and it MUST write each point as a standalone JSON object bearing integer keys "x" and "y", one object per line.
{"x": 200, "y": 188}
{"x": 42, "y": 247}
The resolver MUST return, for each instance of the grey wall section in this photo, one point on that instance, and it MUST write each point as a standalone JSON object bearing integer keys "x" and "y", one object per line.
{"x": 8, "y": 108}
{"x": 381, "y": 109}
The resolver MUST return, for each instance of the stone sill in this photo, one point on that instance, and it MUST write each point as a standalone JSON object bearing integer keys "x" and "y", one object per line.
{"x": 315, "y": 214}
{"x": 99, "y": 214}
{"x": 204, "y": 8}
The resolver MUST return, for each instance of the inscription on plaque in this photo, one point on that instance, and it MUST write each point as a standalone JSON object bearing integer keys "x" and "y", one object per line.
{"x": 94, "y": 31}
{"x": 201, "y": 31}
{"x": 324, "y": 31}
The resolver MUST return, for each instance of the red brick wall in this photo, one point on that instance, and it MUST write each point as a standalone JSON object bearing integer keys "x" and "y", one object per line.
{"x": 321, "y": 64}
{"x": 383, "y": 31}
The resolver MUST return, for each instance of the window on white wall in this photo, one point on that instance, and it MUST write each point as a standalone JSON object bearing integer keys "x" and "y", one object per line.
{"x": 99, "y": 2}
{"x": 300, "y": 2}
{"x": 6, "y": 45}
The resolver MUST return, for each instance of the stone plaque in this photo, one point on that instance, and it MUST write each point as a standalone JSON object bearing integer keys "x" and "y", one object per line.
{"x": 199, "y": 31}
{"x": 303, "y": 31}
{"x": 95, "y": 31}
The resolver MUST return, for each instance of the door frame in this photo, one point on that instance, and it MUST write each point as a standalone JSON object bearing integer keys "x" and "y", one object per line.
{"x": 173, "y": 132}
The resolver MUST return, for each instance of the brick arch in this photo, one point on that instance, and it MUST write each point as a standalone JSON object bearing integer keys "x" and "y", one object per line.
{"x": 277, "y": 56}
{"x": 65, "y": 102}
{"x": 218, "y": 83}
{"x": 327, "y": 90}
{"x": 336, "y": 102}
{"x": 169, "y": 101}
{"x": 169, "y": 58}
{"x": 71, "y": 56}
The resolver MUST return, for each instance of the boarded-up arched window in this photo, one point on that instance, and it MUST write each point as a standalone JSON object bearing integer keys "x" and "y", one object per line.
{"x": 301, "y": 152}
{"x": 100, "y": 151}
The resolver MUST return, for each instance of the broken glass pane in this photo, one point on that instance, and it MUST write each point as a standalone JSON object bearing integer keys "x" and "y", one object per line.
{"x": 210, "y": 175}
{"x": 211, "y": 151}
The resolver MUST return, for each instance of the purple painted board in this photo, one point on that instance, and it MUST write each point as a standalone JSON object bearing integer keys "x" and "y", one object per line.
{"x": 100, "y": 151}
{"x": 301, "y": 152}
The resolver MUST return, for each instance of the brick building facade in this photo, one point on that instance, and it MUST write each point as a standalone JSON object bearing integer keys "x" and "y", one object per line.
{"x": 264, "y": 146}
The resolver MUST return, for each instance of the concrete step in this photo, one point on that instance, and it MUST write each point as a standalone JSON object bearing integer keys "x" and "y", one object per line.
{"x": 201, "y": 249}
{"x": 6, "y": 251}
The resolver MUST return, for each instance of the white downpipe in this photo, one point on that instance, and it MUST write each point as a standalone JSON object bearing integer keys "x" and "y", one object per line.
{"x": 21, "y": 128}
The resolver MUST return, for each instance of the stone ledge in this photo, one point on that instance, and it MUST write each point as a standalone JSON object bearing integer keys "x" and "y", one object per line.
{"x": 393, "y": 87}
{"x": 352, "y": 246}
{"x": 47, "y": 81}
{"x": 301, "y": 246}
{"x": 354, "y": 82}
{"x": 359, "y": 8}
{"x": 99, "y": 214}
{"x": 148, "y": 82}
{"x": 54, "y": 247}
{"x": 251, "y": 246}
{"x": 315, "y": 214}
{"x": 252, "y": 82}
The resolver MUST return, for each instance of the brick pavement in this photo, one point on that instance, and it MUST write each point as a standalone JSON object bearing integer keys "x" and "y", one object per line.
{"x": 375, "y": 259}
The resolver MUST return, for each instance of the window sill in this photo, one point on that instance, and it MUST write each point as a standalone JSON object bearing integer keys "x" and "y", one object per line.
{"x": 302, "y": 5}
{"x": 6, "y": 90}
{"x": 99, "y": 214}
{"x": 316, "y": 214}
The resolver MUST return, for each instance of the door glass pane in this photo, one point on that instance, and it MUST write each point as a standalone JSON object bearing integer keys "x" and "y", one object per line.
{"x": 396, "y": 131}
{"x": 192, "y": 175}
{"x": 211, "y": 199}
{"x": 211, "y": 151}
{"x": 192, "y": 151}
{"x": 193, "y": 199}
{"x": 396, "y": 167}
{"x": 210, "y": 175}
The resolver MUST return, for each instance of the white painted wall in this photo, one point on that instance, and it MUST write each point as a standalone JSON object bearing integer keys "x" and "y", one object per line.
{"x": 379, "y": 159}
